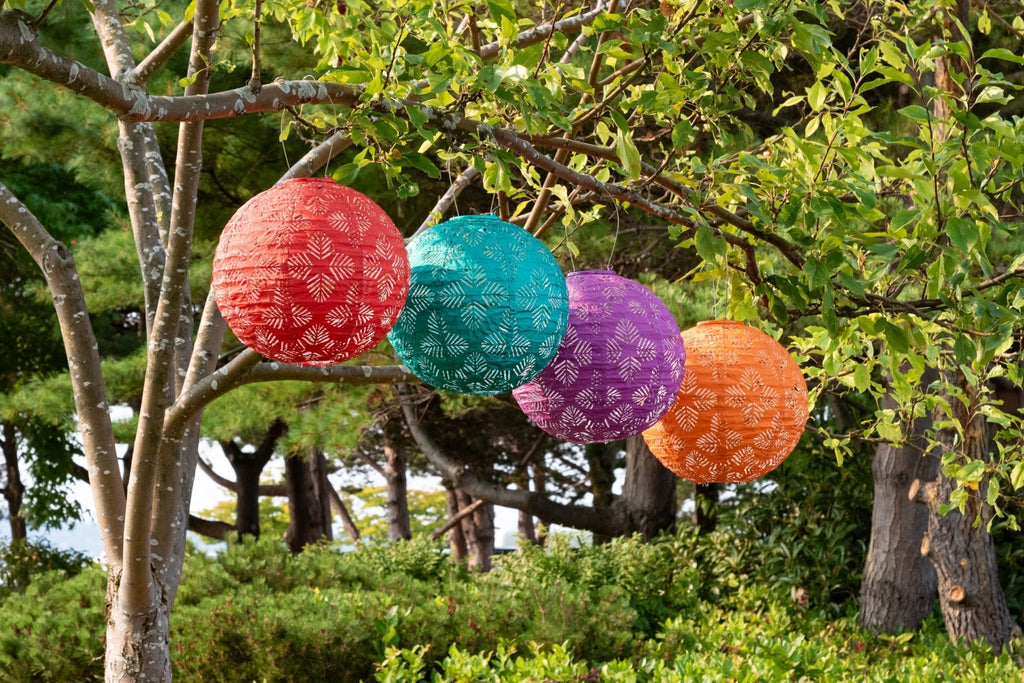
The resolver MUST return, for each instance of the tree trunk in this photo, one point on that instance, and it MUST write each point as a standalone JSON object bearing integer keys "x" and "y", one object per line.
{"x": 397, "y": 492}
{"x": 456, "y": 537}
{"x": 479, "y": 531}
{"x": 319, "y": 497}
{"x": 248, "y": 467}
{"x": 247, "y": 500}
{"x": 300, "y": 522}
{"x": 540, "y": 484}
{"x": 601, "y": 464}
{"x": 137, "y": 646}
{"x": 14, "y": 491}
{"x": 959, "y": 545}
{"x": 308, "y": 501}
{"x": 899, "y": 584}
{"x": 649, "y": 493}
{"x": 705, "y": 507}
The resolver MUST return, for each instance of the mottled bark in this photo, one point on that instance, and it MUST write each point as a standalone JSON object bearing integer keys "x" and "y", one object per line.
{"x": 958, "y": 543}
{"x": 14, "y": 489}
{"x": 898, "y": 588}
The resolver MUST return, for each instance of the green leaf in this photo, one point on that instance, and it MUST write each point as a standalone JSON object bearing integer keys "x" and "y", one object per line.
{"x": 1003, "y": 54}
{"x": 915, "y": 112}
{"x": 709, "y": 247}
{"x": 971, "y": 472}
{"x": 816, "y": 272}
{"x": 861, "y": 377}
{"x": 962, "y": 232}
{"x": 895, "y": 336}
{"x": 1017, "y": 476}
{"x": 992, "y": 495}
{"x": 816, "y": 95}
{"x": 501, "y": 9}
{"x": 629, "y": 156}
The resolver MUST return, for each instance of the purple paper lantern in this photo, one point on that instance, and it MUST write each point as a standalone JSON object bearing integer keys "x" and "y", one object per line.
{"x": 618, "y": 368}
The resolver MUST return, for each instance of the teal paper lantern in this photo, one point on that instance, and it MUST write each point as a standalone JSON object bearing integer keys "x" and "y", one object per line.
{"x": 487, "y": 306}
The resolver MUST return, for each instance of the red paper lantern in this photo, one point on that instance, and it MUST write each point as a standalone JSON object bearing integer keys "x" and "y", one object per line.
{"x": 310, "y": 272}
{"x": 741, "y": 408}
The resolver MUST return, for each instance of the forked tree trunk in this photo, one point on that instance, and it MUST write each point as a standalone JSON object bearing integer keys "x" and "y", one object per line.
{"x": 137, "y": 646}
{"x": 899, "y": 584}
{"x": 14, "y": 490}
{"x": 959, "y": 545}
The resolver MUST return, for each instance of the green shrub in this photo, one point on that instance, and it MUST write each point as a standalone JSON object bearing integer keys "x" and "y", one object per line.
{"x": 21, "y": 561}
{"x": 52, "y": 631}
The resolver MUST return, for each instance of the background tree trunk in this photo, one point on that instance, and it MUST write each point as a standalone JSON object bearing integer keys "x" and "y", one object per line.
{"x": 456, "y": 537}
{"x": 479, "y": 532}
{"x": 649, "y": 493}
{"x": 705, "y": 507}
{"x": 899, "y": 584}
{"x": 14, "y": 490}
{"x": 248, "y": 467}
{"x": 397, "y": 491}
{"x": 308, "y": 501}
{"x": 601, "y": 463}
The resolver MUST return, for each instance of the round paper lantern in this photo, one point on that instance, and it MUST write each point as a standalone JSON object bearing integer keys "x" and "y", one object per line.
{"x": 310, "y": 272}
{"x": 617, "y": 369}
{"x": 487, "y": 306}
{"x": 741, "y": 408}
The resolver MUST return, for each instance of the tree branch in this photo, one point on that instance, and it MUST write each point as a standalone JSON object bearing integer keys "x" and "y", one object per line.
{"x": 243, "y": 369}
{"x": 452, "y": 521}
{"x": 464, "y": 180}
{"x": 579, "y": 517}
{"x": 211, "y": 528}
{"x": 90, "y": 394}
{"x": 160, "y": 54}
{"x": 317, "y": 158}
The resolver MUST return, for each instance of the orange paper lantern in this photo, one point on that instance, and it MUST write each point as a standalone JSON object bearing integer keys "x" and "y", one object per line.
{"x": 741, "y": 408}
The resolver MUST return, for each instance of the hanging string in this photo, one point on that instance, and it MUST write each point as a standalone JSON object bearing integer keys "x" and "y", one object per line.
{"x": 615, "y": 241}
{"x": 568, "y": 247}
{"x": 455, "y": 195}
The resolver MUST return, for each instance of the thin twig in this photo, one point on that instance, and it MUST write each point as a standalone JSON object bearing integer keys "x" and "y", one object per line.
{"x": 254, "y": 81}
{"x": 42, "y": 16}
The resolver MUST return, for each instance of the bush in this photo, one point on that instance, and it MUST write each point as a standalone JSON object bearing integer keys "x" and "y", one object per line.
{"x": 53, "y": 630}
{"x": 21, "y": 561}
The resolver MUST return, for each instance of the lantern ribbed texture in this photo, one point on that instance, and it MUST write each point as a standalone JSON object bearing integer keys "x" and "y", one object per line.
{"x": 741, "y": 408}
{"x": 310, "y": 272}
{"x": 618, "y": 367}
{"x": 487, "y": 306}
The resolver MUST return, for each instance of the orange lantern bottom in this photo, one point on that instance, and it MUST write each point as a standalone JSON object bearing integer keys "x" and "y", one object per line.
{"x": 740, "y": 410}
